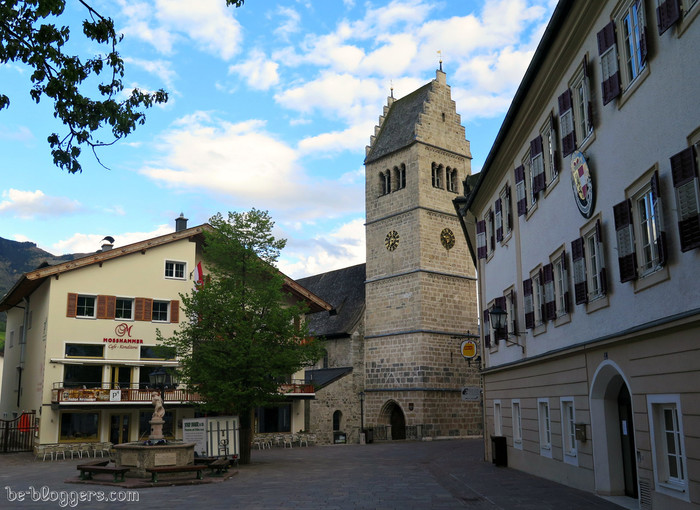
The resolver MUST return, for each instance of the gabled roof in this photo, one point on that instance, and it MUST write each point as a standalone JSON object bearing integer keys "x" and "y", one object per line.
{"x": 399, "y": 127}
{"x": 324, "y": 376}
{"x": 344, "y": 289}
{"x": 30, "y": 281}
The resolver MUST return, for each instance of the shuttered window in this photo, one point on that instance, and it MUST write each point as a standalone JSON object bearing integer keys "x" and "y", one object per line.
{"x": 481, "y": 248}
{"x": 499, "y": 220}
{"x": 580, "y": 280}
{"x": 528, "y": 304}
{"x": 684, "y": 172}
{"x": 520, "y": 190}
{"x": 667, "y": 13}
{"x": 175, "y": 311}
{"x": 566, "y": 124}
{"x": 143, "y": 309}
{"x": 561, "y": 278}
{"x": 609, "y": 67}
{"x": 550, "y": 304}
{"x": 71, "y": 305}
{"x": 537, "y": 165}
{"x": 487, "y": 329}
{"x": 624, "y": 232}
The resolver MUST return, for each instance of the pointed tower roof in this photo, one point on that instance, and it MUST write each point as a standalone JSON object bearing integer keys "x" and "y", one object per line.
{"x": 398, "y": 129}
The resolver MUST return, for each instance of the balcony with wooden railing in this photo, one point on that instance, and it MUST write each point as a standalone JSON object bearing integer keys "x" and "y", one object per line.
{"x": 99, "y": 393}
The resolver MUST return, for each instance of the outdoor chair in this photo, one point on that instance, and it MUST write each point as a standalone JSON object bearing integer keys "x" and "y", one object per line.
{"x": 60, "y": 450}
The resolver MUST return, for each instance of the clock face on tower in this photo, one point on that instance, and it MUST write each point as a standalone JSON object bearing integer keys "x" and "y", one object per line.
{"x": 392, "y": 240}
{"x": 447, "y": 238}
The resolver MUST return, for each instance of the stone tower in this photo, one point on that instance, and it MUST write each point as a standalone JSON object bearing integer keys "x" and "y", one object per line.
{"x": 420, "y": 285}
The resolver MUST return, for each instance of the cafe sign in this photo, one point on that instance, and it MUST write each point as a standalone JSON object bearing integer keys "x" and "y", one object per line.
{"x": 122, "y": 338}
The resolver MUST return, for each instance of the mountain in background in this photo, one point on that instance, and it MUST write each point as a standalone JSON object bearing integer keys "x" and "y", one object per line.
{"x": 18, "y": 258}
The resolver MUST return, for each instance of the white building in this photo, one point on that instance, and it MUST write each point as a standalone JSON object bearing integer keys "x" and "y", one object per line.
{"x": 585, "y": 228}
{"x": 82, "y": 343}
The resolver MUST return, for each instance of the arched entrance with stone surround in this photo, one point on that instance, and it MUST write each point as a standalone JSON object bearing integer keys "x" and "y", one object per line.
{"x": 392, "y": 414}
{"x": 612, "y": 430}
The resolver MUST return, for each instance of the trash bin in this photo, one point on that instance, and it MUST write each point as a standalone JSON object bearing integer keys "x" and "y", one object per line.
{"x": 499, "y": 450}
{"x": 369, "y": 435}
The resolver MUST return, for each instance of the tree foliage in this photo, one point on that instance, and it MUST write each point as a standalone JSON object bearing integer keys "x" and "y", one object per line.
{"x": 31, "y": 33}
{"x": 244, "y": 336}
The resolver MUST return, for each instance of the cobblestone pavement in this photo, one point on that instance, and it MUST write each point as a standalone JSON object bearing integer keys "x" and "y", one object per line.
{"x": 402, "y": 475}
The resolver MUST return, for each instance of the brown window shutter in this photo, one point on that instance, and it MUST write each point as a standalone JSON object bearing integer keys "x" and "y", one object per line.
{"x": 521, "y": 194}
{"x": 111, "y": 307}
{"x": 138, "y": 309}
{"x": 175, "y": 311}
{"x": 101, "y": 307}
{"x": 685, "y": 181}
{"x": 72, "y": 305}
{"x": 550, "y": 304}
{"x": 499, "y": 220}
{"x": 627, "y": 257}
{"x": 611, "y": 69}
{"x": 568, "y": 138}
{"x": 667, "y": 14}
{"x": 579, "y": 263}
{"x": 147, "y": 309}
{"x": 481, "y": 248}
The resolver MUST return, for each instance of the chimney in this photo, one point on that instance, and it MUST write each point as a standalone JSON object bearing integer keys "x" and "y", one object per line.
{"x": 107, "y": 243}
{"x": 180, "y": 223}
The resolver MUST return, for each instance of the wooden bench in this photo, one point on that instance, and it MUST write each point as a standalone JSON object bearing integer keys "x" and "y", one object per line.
{"x": 155, "y": 471}
{"x": 219, "y": 466}
{"x": 87, "y": 470}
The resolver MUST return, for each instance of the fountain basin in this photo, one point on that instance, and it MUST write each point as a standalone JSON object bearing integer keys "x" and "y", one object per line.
{"x": 139, "y": 456}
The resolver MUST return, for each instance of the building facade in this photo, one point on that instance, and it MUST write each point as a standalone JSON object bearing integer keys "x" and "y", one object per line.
{"x": 84, "y": 348}
{"x": 585, "y": 229}
{"x": 420, "y": 282}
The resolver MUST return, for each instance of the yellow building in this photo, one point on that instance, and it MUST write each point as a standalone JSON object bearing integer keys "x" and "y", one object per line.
{"x": 84, "y": 354}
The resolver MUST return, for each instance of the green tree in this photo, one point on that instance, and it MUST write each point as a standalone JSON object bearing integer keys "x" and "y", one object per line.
{"x": 245, "y": 334}
{"x": 30, "y": 33}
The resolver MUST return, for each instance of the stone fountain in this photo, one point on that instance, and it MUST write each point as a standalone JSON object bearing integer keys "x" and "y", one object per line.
{"x": 156, "y": 451}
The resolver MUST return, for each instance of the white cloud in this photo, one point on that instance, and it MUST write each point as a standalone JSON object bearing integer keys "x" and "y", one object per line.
{"x": 88, "y": 243}
{"x": 210, "y": 24}
{"x": 349, "y": 139}
{"x": 258, "y": 72}
{"x": 341, "y": 248}
{"x": 291, "y": 23}
{"x": 245, "y": 163}
{"x": 32, "y": 204}
{"x": 160, "y": 68}
{"x": 17, "y": 134}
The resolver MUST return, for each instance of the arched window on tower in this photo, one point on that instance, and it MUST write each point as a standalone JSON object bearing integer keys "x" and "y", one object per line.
{"x": 437, "y": 175}
{"x": 402, "y": 176}
{"x": 451, "y": 177}
{"x": 387, "y": 177}
{"x": 384, "y": 187}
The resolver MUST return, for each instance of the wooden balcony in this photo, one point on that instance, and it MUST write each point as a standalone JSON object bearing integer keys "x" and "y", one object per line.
{"x": 88, "y": 393}
{"x": 297, "y": 388}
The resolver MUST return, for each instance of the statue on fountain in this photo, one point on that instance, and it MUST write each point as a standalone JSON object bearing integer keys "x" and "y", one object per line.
{"x": 157, "y": 420}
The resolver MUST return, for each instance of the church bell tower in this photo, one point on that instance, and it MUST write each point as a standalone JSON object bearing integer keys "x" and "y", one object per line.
{"x": 420, "y": 288}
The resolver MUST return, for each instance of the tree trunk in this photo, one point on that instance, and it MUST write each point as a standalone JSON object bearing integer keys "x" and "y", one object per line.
{"x": 245, "y": 436}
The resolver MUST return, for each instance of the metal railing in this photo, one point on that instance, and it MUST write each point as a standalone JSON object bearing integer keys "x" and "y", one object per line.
{"x": 109, "y": 393}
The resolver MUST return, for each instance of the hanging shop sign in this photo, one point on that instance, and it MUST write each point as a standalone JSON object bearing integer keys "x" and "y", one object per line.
{"x": 468, "y": 349}
{"x": 582, "y": 184}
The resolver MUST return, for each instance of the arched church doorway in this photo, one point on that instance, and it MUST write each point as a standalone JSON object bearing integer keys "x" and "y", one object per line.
{"x": 612, "y": 428}
{"x": 393, "y": 413}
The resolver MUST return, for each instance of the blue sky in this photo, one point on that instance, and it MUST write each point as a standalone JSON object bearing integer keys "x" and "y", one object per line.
{"x": 271, "y": 106}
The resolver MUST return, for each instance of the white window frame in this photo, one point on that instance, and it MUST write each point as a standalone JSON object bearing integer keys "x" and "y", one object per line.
{"x": 537, "y": 297}
{"x": 529, "y": 177}
{"x": 568, "y": 431}
{"x": 631, "y": 67}
{"x": 550, "y": 149}
{"x": 173, "y": 272}
{"x": 506, "y": 213}
{"x": 656, "y": 406}
{"x": 592, "y": 253}
{"x": 580, "y": 98}
{"x": 167, "y": 310}
{"x": 131, "y": 309}
{"x": 497, "y": 418}
{"x": 94, "y": 306}
{"x": 561, "y": 285}
{"x": 647, "y": 218}
{"x": 517, "y": 418}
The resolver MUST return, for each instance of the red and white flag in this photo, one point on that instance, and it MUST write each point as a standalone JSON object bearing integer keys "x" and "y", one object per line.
{"x": 198, "y": 276}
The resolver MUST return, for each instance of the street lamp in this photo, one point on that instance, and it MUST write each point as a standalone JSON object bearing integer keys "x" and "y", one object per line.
{"x": 498, "y": 317}
{"x": 157, "y": 378}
